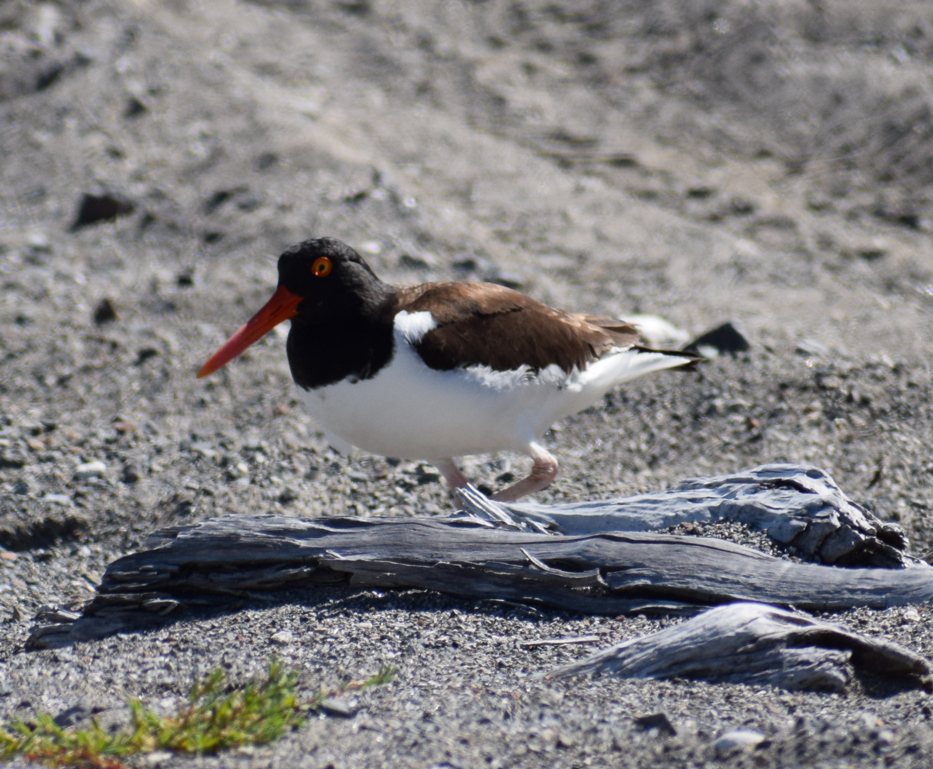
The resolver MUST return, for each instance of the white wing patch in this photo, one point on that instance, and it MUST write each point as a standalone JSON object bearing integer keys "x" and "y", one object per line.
{"x": 412, "y": 326}
{"x": 553, "y": 376}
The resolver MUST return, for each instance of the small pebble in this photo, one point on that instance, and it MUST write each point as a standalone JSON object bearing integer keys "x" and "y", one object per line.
{"x": 288, "y": 496}
{"x": 738, "y": 738}
{"x": 885, "y": 737}
{"x": 657, "y": 721}
{"x": 88, "y": 470}
{"x": 105, "y": 312}
{"x": 283, "y": 637}
{"x": 74, "y": 715}
{"x": 335, "y": 706}
{"x": 13, "y": 458}
{"x": 38, "y": 242}
{"x": 57, "y": 499}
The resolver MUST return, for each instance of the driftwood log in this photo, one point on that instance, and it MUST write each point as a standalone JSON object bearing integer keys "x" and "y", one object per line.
{"x": 797, "y": 505}
{"x": 756, "y": 644}
{"x": 571, "y": 557}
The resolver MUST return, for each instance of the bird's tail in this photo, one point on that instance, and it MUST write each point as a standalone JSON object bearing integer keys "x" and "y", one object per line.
{"x": 634, "y": 362}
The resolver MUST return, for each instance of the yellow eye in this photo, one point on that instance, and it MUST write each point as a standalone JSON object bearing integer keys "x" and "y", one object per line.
{"x": 321, "y": 267}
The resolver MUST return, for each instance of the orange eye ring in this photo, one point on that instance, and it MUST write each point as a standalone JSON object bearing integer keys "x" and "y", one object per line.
{"x": 321, "y": 267}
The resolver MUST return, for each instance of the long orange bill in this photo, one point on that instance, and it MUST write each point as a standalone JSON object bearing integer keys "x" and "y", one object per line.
{"x": 280, "y": 307}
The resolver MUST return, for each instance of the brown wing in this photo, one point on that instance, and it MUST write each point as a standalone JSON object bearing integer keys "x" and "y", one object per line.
{"x": 489, "y": 325}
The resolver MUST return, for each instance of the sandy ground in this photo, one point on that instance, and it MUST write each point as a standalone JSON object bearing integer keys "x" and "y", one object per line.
{"x": 769, "y": 163}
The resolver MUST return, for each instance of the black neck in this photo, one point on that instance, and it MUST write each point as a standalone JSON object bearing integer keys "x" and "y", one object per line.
{"x": 325, "y": 351}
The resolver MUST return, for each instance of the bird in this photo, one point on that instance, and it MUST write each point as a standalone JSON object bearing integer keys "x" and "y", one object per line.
{"x": 438, "y": 371}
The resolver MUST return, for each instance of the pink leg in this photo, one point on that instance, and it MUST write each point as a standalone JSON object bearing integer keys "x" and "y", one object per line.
{"x": 542, "y": 473}
{"x": 455, "y": 479}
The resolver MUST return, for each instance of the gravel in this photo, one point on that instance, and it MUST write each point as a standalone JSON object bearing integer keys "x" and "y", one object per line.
{"x": 639, "y": 159}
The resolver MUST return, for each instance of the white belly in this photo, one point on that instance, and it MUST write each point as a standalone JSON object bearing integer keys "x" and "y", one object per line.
{"x": 411, "y": 411}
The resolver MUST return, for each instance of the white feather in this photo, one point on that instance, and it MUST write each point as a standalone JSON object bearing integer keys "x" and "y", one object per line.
{"x": 411, "y": 411}
{"x": 414, "y": 325}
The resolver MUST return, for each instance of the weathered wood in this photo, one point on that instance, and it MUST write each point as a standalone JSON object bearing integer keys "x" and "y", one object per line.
{"x": 608, "y": 573}
{"x": 796, "y": 505}
{"x": 752, "y": 643}
{"x": 558, "y": 556}
{"x": 236, "y": 553}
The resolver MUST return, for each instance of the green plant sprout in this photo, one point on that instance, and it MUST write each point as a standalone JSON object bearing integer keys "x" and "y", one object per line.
{"x": 216, "y": 717}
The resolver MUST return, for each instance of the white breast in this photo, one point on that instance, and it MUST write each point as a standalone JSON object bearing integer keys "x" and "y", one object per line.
{"x": 411, "y": 411}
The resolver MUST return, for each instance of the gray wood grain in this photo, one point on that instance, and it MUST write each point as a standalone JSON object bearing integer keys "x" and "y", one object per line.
{"x": 752, "y": 643}
{"x": 797, "y": 505}
{"x": 498, "y": 552}
{"x": 617, "y": 571}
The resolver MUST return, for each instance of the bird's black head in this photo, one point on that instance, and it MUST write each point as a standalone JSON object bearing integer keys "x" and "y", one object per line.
{"x": 330, "y": 278}
{"x": 321, "y": 282}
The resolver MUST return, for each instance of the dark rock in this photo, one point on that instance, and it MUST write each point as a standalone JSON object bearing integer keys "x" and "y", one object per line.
{"x": 266, "y": 161}
{"x": 130, "y": 474}
{"x": 872, "y": 252}
{"x": 240, "y": 195}
{"x": 134, "y": 108}
{"x": 104, "y": 207}
{"x": 145, "y": 354}
{"x": 658, "y": 721}
{"x": 74, "y": 715}
{"x": 410, "y": 262}
{"x": 217, "y": 200}
{"x": 723, "y": 339}
{"x": 248, "y": 202}
{"x": 427, "y": 474}
{"x": 471, "y": 264}
{"x": 818, "y": 201}
{"x": 621, "y": 160}
{"x": 355, "y": 7}
{"x": 41, "y": 531}
{"x": 12, "y": 457}
{"x": 507, "y": 279}
{"x": 700, "y": 193}
{"x": 105, "y": 312}
{"x": 742, "y": 206}
{"x": 288, "y": 496}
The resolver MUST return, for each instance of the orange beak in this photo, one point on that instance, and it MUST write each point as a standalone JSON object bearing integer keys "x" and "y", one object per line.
{"x": 280, "y": 307}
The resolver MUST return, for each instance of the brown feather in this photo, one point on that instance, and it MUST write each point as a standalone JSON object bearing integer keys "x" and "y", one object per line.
{"x": 489, "y": 325}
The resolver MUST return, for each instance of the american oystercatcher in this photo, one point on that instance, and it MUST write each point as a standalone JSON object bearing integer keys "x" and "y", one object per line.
{"x": 439, "y": 370}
